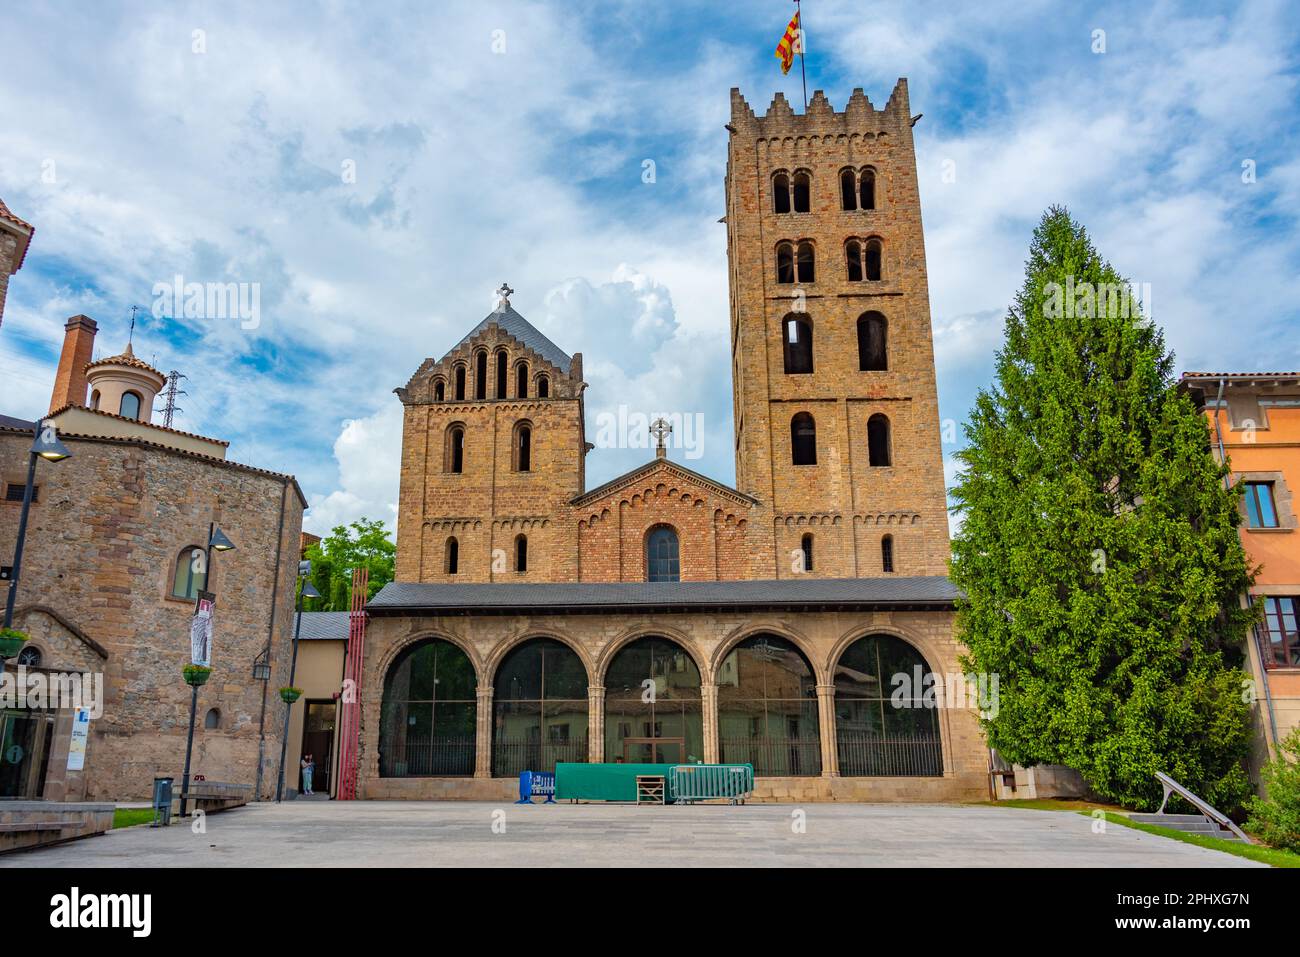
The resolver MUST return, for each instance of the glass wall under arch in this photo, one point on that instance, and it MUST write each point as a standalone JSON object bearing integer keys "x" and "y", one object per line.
{"x": 540, "y": 709}
{"x": 767, "y": 708}
{"x": 883, "y": 725}
{"x": 429, "y": 713}
{"x": 653, "y": 707}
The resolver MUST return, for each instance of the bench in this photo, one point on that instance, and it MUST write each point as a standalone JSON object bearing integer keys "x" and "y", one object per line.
{"x": 23, "y": 827}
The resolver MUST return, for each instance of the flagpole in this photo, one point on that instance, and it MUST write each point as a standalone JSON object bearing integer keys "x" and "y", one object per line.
{"x": 802, "y": 72}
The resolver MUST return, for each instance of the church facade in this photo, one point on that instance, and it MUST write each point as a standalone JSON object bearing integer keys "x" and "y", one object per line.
{"x": 793, "y": 621}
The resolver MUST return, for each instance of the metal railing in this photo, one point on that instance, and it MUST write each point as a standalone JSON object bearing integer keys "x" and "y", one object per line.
{"x": 707, "y": 782}
{"x": 428, "y": 758}
{"x": 774, "y": 757}
{"x": 511, "y": 757}
{"x": 866, "y": 755}
{"x": 1173, "y": 787}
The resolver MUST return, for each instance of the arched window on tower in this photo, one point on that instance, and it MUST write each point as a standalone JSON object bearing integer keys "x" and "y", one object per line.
{"x": 521, "y": 553}
{"x": 868, "y": 189}
{"x": 848, "y": 189}
{"x": 803, "y": 439}
{"x": 451, "y": 558}
{"x": 873, "y": 354}
{"x": 439, "y": 391}
{"x": 805, "y": 262}
{"x": 521, "y": 381}
{"x": 543, "y": 387}
{"x": 502, "y": 364}
{"x": 212, "y": 720}
{"x": 872, "y": 260}
{"x": 480, "y": 375}
{"x": 662, "y": 562}
{"x": 130, "y": 407}
{"x": 785, "y": 262}
{"x": 801, "y": 191}
{"x": 454, "y": 456}
{"x": 797, "y": 343}
{"x": 887, "y": 553}
{"x": 853, "y": 257}
{"x": 781, "y": 193}
{"x": 878, "y": 440}
{"x": 460, "y": 382}
{"x": 188, "y": 575}
{"x": 523, "y": 447}
{"x": 806, "y": 546}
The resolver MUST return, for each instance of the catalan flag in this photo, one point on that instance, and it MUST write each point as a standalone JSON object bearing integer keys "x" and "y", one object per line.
{"x": 790, "y": 44}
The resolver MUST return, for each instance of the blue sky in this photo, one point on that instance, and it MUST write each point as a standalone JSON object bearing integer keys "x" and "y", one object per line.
{"x": 143, "y": 150}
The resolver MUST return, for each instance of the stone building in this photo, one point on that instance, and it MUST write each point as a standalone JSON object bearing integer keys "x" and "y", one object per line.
{"x": 793, "y": 621}
{"x": 108, "y": 587}
{"x": 15, "y": 237}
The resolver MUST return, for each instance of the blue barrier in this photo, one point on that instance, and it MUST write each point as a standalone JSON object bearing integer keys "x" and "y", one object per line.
{"x": 536, "y": 783}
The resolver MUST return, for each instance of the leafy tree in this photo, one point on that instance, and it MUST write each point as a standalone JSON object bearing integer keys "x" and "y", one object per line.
{"x": 1098, "y": 550}
{"x": 363, "y": 544}
{"x": 1276, "y": 818}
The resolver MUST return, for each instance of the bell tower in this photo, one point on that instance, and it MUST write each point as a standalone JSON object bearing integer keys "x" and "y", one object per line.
{"x": 836, "y": 411}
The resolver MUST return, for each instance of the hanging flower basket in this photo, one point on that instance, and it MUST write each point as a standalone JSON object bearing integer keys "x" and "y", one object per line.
{"x": 11, "y": 642}
{"x": 196, "y": 675}
{"x": 290, "y": 695}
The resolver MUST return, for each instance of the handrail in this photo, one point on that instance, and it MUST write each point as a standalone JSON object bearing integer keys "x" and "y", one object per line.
{"x": 1173, "y": 787}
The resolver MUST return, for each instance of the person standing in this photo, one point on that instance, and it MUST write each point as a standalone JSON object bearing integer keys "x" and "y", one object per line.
{"x": 308, "y": 766}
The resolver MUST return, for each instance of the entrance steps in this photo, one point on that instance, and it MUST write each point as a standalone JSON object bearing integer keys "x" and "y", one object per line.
{"x": 1190, "y": 823}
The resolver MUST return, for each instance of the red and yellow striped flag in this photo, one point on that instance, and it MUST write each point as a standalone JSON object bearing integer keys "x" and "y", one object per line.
{"x": 790, "y": 44}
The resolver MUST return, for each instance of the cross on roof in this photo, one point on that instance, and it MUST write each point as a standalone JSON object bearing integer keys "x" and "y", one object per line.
{"x": 660, "y": 429}
{"x": 504, "y": 294}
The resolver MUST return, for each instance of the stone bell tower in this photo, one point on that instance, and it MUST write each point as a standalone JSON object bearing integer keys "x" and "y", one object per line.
{"x": 836, "y": 411}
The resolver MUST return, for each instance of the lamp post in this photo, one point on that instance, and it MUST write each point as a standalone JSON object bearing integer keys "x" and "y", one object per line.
{"x": 306, "y": 591}
{"x": 217, "y": 541}
{"x": 45, "y": 445}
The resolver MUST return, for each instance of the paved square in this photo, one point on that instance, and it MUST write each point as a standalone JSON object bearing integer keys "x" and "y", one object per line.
{"x": 454, "y": 834}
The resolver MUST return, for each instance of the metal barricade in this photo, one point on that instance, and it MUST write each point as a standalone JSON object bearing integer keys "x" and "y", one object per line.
{"x": 536, "y": 783}
{"x": 711, "y": 782}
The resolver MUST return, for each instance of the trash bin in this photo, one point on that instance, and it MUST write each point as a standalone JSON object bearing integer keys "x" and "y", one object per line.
{"x": 162, "y": 801}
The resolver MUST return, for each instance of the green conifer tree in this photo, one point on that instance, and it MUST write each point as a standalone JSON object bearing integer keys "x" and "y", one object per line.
{"x": 1098, "y": 550}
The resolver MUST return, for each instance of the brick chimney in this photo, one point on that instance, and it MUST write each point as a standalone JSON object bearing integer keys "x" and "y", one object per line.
{"x": 78, "y": 349}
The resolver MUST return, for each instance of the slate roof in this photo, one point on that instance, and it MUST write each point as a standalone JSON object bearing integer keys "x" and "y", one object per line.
{"x": 520, "y": 328}
{"x": 9, "y": 422}
{"x": 812, "y": 593}
{"x": 323, "y": 625}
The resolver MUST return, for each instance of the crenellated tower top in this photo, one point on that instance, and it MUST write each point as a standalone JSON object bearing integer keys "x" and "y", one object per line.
{"x": 820, "y": 117}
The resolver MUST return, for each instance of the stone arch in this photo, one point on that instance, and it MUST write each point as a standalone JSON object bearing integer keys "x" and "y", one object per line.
{"x": 506, "y": 645}
{"x": 770, "y": 627}
{"x": 632, "y": 633}
{"x": 424, "y": 634}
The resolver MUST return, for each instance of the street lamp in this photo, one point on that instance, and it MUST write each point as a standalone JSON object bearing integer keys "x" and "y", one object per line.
{"x": 262, "y": 666}
{"x": 45, "y": 445}
{"x": 217, "y": 541}
{"x": 306, "y": 591}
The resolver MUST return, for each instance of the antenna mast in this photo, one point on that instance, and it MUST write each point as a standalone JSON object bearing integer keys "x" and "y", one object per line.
{"x": 173, "y": 380}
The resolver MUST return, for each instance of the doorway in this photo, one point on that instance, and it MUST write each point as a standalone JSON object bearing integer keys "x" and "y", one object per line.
{"x": 318, "y": 741}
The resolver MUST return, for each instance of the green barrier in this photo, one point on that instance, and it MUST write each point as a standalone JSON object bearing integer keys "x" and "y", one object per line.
{"x": 605, "y": 782}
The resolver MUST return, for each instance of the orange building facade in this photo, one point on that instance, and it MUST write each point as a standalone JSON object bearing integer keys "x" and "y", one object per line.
{"x": 1255, "y": 425}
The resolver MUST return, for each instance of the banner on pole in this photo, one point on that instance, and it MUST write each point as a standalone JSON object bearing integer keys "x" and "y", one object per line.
{"x": 201, "y": 634}
{"x": 77, "y": 744}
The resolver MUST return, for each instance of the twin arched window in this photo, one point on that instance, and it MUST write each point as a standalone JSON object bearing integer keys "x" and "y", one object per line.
{"x": 873, "y": 352}
{"x": 792, "y": 193}
{"x": 803, "y": 439}
{"x": 795, "y": 262}
{"x": 662, "y": 560}
{"x": 865, "y": 259}
{"x": 796, "y": 337}
{"x": 459, "y": 375}
{"x": 858, "y": 188}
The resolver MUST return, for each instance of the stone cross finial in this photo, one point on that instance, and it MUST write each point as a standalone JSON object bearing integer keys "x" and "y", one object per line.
{"x": 503, "y": 295}
{"x": 660, "y": 429}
